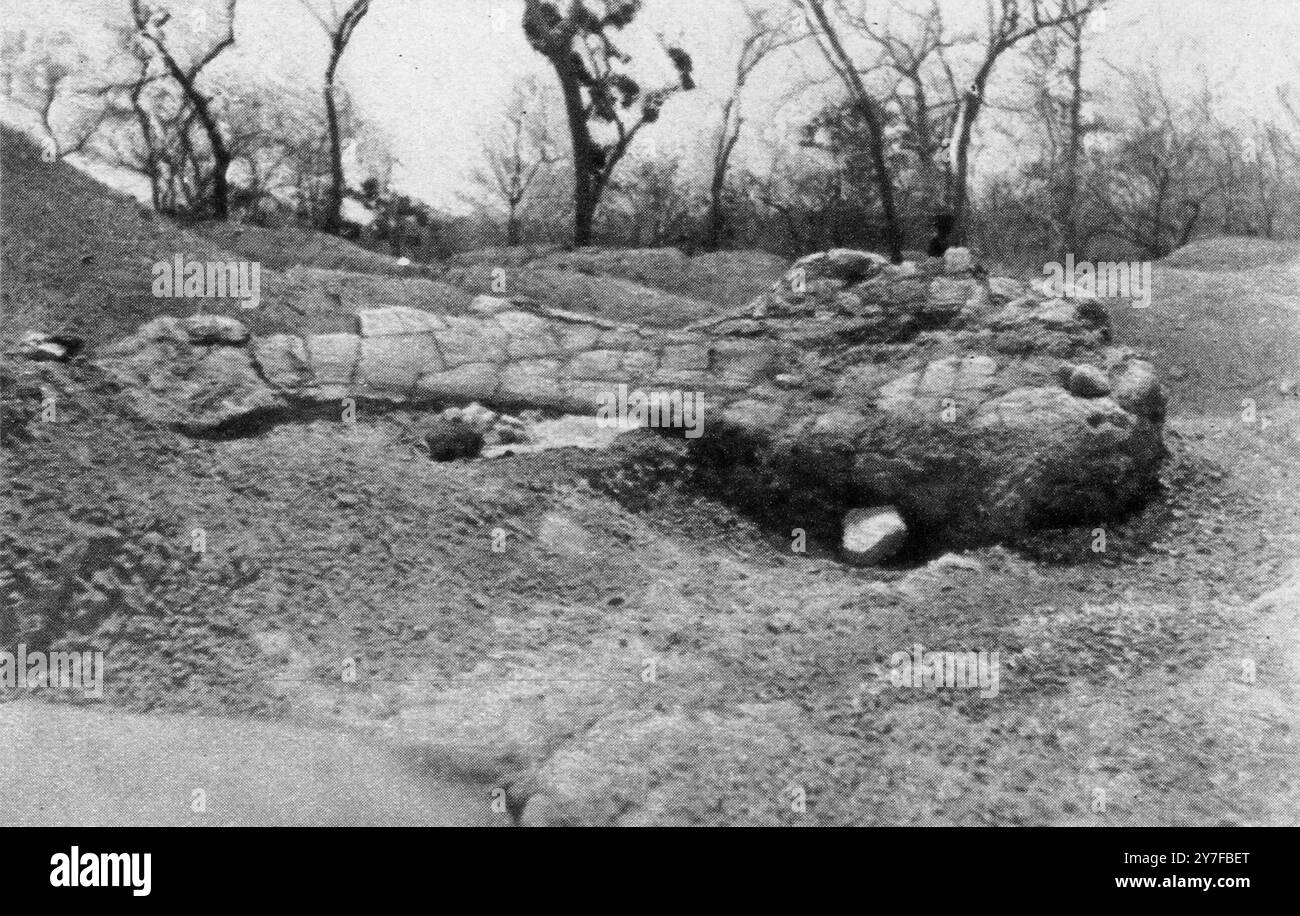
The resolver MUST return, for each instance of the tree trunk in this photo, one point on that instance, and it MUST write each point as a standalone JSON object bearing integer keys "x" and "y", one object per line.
{"x": 220, "y": 184}
{"x": 717, "y": 217}
{"x": 584, "y": 210}
{"x": 717, "y": 187}
{"x": 885, "y": 187}
{"x": 1069, "y": 216}
{"x": 586, "y": 191}
{"x": 221, "y": 157}
{"x": 960, "y": 194}
{"x": 1189, "y": 225}
{"x": 875, "y": 129}
{"x": 332, "y": 218}
{"x": 513, "y": 235}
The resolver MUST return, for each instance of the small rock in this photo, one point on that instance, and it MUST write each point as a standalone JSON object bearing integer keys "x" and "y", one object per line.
{"x": 849, "y": 265}
{"x": 1087, "y": 381}
{"x": 958, "y": 260}
{"x": 1286, "y": 387}
{"x": 490, "y": 305}
{"x": 451, "y": 440}
{"x": 957, "y": 561}
{"x": 52, "y": 347}
{"x": 785, "y": 622}
{"x": 1139, "y": 392}
{"x": 215, "y": 329}
{"x": 511, "y": 435}
{"x": 478, "y": 417}
{"x": 541, "y": 811}
{"x": 879, "y": 590}
{"x": 872, "y": 536}
{"x": 1006, "y": 288}
{"x": 947, "y": 294}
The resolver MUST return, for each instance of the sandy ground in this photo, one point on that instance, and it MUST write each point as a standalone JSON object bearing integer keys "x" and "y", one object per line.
{"x": 61, "y": 766}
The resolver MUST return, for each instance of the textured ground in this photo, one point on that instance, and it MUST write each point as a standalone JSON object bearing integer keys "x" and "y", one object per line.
{"x": 119, "y": 769}
{"x": 528, "y": 667}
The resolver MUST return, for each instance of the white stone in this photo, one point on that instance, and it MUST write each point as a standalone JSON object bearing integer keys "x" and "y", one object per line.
{"x": 956, "y": 561}
{"x": 957, "y": 260}
{"x": 872, "y": 536}
{"x": 1006, "y": 288}
{"x": 491, "y": 305}
{"x": 478, "y": 417}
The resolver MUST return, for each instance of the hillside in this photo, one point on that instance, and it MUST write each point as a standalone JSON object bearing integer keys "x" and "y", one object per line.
{"x": 1220, "y": 336}
{"x": 333, "y": 543}
{"x": 76, "y": 255}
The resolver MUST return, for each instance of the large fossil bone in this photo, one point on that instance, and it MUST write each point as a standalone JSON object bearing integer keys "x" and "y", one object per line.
{"x": 852, "y": 383}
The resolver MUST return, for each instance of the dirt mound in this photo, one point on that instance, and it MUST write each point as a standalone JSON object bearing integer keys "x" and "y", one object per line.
{"x": 656, "y": 287}
{"x": 1232, "y": 253}
{"x": 727, "y": 279}
{"x": 285, "y": 247}
{"x": 1218, "y": 338}
{"x": 79, "y": 258}
{"x": 609, "y": 298}
{"x": 76, "y": 256}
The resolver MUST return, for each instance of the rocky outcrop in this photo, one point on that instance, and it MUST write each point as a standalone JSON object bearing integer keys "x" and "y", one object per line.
{"x": 975, "y": 408}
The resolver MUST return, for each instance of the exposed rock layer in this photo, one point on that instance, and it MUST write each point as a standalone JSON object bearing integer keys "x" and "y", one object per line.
{"x": 958, "y": 400}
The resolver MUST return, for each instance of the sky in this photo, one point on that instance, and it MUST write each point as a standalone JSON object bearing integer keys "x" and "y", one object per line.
{"x": 434, "y": 75}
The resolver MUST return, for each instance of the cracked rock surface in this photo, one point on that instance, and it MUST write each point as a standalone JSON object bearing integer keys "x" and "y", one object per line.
{"x": 977, "y": 409}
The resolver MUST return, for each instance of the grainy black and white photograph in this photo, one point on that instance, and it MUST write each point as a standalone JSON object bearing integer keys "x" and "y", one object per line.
{"x": 875, "y": 413}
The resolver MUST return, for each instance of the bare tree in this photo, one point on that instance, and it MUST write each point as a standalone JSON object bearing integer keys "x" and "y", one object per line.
{"x": 150, "y": 25}
{"x": 146, "y": 125}
{"x": 47, "y": 77}
{"x": 805, "y": 195}
{"x": 658, "y": 202}
{"x": 279, "y": 146}
{"x": 592, "y": 73}
{"x": 764, "y": 37}
{"x": 1250, "y": 165}
{"x": 1067, "y": 215}
{"x": 868, "y": 108}
{"x": 520, "y": 155}
{"x": 1008, "y": 23}
{"x": 1275, "y": 177}
{"x": 925, "y": 92}
{"x": 1055, "y": 60}
{"x": 338, "y": 28}
{"x": 1157, "y": 182}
